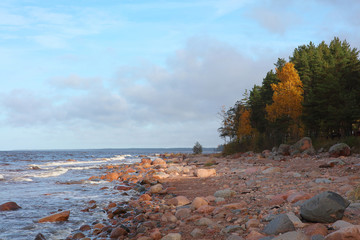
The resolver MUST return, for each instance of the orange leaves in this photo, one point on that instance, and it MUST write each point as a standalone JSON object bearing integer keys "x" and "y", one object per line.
{"x": 244, "y": 128}
{"x": 288, "y": 95}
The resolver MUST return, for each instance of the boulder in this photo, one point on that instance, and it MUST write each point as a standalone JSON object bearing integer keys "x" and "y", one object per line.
{"x": 57, "y": 217}
{"x": 304, "y": 145}
{"x": 340, "y": 149}
{"x": 351, "y": 232}
{"x": 202, "y": 173}
{"x": 284, "y": 149}
{"x": 280, "y": 224}
{"x": 324, "y": 208}
{"x": 9, "y": 206}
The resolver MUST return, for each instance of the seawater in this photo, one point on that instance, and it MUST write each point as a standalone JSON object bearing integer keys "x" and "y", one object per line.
{"x": 44, "y": 182}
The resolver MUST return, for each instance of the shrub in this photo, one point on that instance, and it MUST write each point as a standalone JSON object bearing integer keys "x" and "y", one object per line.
{"x": 197, "y": 149}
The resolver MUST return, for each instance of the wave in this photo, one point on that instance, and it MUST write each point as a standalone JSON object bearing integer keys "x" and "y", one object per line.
{"x": 53, "y": 173}
{"x": 21, "y": 179}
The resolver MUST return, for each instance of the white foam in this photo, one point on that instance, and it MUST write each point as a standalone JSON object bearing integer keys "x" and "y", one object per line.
{"x": 2, "y": 177}
{"x": 53, "y": 173}
{"x": 22, "y": 179}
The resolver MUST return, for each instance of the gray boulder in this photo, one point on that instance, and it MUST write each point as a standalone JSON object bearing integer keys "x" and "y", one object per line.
{"x": 340, "y": 149}
{"x": 279, "y": 224}
{"x": 325, "y": 207}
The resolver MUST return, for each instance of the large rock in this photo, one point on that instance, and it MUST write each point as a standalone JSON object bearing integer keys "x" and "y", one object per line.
{"x": 340, "y": 149}
{"x": 57, "y": 217}
{"x": 9, "y": 206}
{"x": 304, "y": 145}
{"x": 201, "y": 172}
{"x": 279, "y": 224}
{"x": 324, "y": 208}
{"x": 352, "y": 232}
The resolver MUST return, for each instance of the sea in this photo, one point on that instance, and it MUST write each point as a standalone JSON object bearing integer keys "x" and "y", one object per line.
{"x": 48, "y": 181}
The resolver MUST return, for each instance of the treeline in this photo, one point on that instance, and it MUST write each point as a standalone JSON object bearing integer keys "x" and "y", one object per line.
{"x": 315, "y": 94}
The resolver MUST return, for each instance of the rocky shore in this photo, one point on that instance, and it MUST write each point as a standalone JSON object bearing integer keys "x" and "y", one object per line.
{"x": 245, "y": 196}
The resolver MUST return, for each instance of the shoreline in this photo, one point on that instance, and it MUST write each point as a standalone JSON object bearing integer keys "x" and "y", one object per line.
{"x": 208, "y": 197}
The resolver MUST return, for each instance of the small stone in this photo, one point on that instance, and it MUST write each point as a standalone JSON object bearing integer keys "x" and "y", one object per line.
{"x": 294, "y": 235}
{"x": 341, "y": 224}
{"x": 317, "y": 237}
{"x": 202, "y": 173}
{"x": 198, "y": 202}
{"x": 351, "y": 232}
{"x": 9, "y": 206}
{"x": 158, "y": 161}
{"x": 234, "y": 237}
{"x": 58, "y": 217}
{"x": 295, "y": 220}
{"x": 155, "y": 235}
{"x": 183, "y": 213}
{"x": 279, "y": 224}
{"x": 78, "y": 235}
{"x": 117, "y": 232}
{"x": 252, "y": 223}
{"x": 156, "y": 188}
{"x": 231, "y": 229}
{"x": 271, "y": 170}
{"x": 145, "y": 197}
{"x": 172, "y": 236}
{"x": 39, "y": 236}
{"x": 178, "y": 201}
{"x": 196, "y": 233}
{"x": 204, "y": 222}
{"x": 316, "y": 229}
{"x": 226, "y": 193}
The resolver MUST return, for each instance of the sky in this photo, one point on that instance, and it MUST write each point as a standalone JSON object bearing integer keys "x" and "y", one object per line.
{"x": 133, "y": 74}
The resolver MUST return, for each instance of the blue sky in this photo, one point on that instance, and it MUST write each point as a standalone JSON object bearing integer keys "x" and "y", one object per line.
{"x": 107, "y": 74}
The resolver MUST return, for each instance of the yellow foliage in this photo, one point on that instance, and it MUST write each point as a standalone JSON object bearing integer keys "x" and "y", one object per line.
{"x": 245, "y": 128}
{"x": 288, "y": 95}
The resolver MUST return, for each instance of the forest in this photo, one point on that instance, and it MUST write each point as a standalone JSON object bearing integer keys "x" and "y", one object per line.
{"x": 315, "y": 94}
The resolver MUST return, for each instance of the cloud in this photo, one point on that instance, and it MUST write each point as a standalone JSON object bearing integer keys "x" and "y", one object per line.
{"x": 145, "y": 101}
